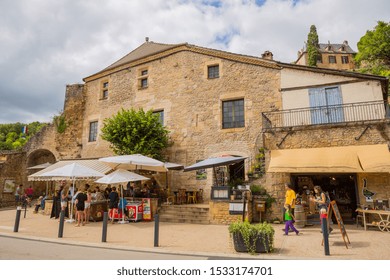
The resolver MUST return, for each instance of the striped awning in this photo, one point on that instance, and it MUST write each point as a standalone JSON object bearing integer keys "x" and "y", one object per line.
{"x": 91, "y": 163}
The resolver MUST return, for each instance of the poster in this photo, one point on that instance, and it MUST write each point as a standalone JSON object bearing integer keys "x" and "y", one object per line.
{"x": 147, "y": 207}
{"x": 9, "y": 186}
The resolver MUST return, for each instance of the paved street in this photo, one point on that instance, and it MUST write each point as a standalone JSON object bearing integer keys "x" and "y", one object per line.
{"x": 196, "y": 241}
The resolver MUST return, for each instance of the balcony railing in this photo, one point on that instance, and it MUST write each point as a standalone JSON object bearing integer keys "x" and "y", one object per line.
{"x": 333, "y": 114}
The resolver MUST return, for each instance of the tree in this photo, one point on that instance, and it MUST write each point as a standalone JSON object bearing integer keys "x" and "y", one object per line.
{"x": 136, "y": 132}
{"x": 12, "y": 137}
{"x": 374, "y": 51}
{"x": 312, "y": 46}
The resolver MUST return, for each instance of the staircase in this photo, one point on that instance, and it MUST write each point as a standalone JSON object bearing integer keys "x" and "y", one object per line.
{"x": 188, "y": 213}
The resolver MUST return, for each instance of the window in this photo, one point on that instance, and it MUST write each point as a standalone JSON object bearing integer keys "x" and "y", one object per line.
{"x": 344, "y": 59}
{"x": 213, "y": 71}
{"x": 93, "y": 130}
{"x": 319, "y": 58}
{"x": 104, "y": 90}
{"x": 105, "y": 94}
{"x": 332, "y": 59}
{"x": 143, "y": 78}
{"x": 160, "y": 116}
{"x": 233, "y": 113}
{"x": 144, "y": 83}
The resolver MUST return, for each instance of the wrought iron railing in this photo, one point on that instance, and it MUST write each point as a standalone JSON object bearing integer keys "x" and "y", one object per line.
{"x": 333, "y": 114}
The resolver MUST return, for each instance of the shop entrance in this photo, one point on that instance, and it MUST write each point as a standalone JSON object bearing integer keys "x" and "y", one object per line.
{"x": 341, "y": 187}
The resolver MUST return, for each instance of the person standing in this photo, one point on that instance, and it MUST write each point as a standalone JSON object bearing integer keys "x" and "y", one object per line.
{"x": 322, "y": 200}
{"x": 18, "y": 192}
{"x": 289, "y": 218}
{"x": 80, "y": 199}
{"x": 290, "y": 197}
{"x": 87, "y": 206}
{"x": 113, "y": 203}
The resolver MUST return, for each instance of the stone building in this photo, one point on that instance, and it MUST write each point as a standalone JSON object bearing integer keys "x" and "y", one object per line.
{"x": 333, "y": 56}
{"x": 218, "y": 103}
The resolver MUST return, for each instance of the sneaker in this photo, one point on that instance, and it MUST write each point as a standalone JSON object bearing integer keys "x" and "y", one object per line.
{"x": 297, "y": 233}
{"x": 285, "y": 234}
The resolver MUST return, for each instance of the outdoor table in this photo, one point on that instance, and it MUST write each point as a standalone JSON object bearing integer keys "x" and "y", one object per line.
{"x": 383, "y": 224}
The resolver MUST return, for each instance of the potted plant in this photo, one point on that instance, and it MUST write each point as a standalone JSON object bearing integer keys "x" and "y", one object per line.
{"x": 252, "y": 238}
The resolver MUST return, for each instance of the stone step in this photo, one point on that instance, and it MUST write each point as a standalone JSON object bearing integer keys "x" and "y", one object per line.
{"x": 184, "y": 214}
{"x": 181, "y": 220}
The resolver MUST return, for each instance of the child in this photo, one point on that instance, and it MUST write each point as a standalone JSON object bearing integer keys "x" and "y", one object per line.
{"x": 289, "y": 217}
{"x": 38, "y": 204}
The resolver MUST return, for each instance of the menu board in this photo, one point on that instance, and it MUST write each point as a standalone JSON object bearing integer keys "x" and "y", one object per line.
{"x": 339, "y": 221}
{"x": 147, "y": 207}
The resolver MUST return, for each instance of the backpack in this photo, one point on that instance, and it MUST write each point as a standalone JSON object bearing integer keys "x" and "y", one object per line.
{"x": 327, "y": 199}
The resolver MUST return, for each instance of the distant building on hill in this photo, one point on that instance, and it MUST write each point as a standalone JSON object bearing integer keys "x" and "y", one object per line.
{"x": 332, "y": 56}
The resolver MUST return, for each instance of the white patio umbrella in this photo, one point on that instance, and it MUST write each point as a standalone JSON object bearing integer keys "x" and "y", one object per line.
{"x": 72, "y": 171}
{"x": 42, "y": 166}
{"x": 135, "y": 162}
{"x": 121, "y": 176}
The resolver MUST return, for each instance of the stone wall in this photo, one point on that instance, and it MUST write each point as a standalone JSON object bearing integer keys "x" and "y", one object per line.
{"x": 69, "y": 143}
{"x": 219, "y": 213}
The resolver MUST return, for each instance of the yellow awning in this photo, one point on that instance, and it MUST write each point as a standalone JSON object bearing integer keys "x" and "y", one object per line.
{"x": 375, "y": 158}
{"x": 346, "y": 159}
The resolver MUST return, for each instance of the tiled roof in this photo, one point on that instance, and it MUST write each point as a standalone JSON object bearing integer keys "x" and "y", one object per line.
{"x": 150, "y": 51}
{"x": 146, "y": 49}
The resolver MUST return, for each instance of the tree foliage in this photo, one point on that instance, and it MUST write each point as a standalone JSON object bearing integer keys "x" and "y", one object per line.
{"x": 374, "y": 51}
{"x": 136, "y": 132}
{"x": 312, "y": 46}
{"x": 12, "y": 136}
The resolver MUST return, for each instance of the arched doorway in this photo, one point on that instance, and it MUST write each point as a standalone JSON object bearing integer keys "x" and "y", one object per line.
{"x": 36, "y": 158}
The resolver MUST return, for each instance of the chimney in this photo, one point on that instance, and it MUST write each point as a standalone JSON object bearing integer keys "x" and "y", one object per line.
{"x": 345, "y": 42}
{"x": 267, "y": 55}
{"x": 147, "y": 39}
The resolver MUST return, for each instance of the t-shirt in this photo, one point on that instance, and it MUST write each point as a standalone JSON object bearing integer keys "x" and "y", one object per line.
{"x": 81, "y": 198}
{"x": 114, "y": 199}
{"x": 290, "y": 197}
{"x": 287, "y": 216}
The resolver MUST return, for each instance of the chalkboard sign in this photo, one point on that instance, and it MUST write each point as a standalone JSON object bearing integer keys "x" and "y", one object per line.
{"x": 336, "y": 212}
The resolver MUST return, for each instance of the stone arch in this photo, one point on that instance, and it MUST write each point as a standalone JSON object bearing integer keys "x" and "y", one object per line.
{"x": 40, "y": 156}
{"x": 37, "y": 157}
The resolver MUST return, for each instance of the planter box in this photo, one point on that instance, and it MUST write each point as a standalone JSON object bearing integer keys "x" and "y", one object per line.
{"x": 261, "y": 246}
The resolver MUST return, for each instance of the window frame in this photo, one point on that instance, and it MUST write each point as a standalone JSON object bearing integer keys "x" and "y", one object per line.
{"x": 143, "y": 78}
{"x": 161, "y": 115}
{"x": 344, "y": 59}
{"x": 237, "y": 113}
{"x": 104, "y": 90}
{"x": 211, "y": 72}
{"x": 330, "y": 59}
{"x": 93, "y": 131}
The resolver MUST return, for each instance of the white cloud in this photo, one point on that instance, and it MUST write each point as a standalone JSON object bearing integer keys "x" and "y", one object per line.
{"x": 47, "y": 44}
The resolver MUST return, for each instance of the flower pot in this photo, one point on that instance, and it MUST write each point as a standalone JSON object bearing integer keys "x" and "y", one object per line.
{"x": 262, "y": 245}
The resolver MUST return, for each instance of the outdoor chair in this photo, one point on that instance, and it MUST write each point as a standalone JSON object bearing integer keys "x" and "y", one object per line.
{"x": 192, "y": 197}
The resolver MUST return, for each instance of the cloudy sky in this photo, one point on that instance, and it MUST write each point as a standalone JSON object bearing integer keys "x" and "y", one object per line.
{"x": 46, "y": 44}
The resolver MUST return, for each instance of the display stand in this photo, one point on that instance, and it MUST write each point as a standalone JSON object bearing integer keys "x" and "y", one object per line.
{"x": 147, "y": 209}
